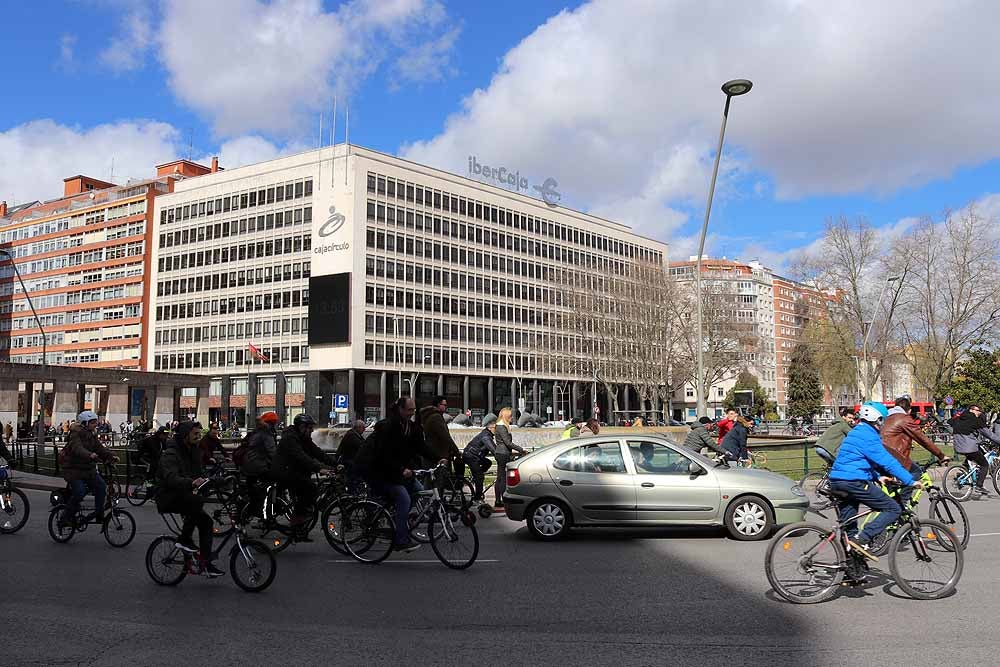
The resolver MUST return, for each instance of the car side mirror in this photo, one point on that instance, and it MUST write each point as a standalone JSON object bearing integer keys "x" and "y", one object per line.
{"x": 694, "y": 469}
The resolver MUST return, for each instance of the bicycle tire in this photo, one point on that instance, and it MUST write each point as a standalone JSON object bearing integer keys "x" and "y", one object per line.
{"x": 166, "y": 564}
{"x": 223, "y": 522}
{"x": 759, "y": 459}
{"x": 332, "y": 520}
{"x": 455, "y": 523}
{"x": 996, "y": 479}
{"x": 118, "y": 528}
{"x": 136, "y": 491}
{"x": 258, "y": 562}
{"x": 955, "y": 484}
{"x": 368, "y": 531}
{"x": 810, "y": 485}
{"x": 419, "y": 520}
{"x": 15, "y": 498}
{"x": 64, "y": 534}
{"x": 257, "y": 528}
{"x": 951, "y": 513}
{"x": 816, "y": 539}
{"x": 930, "y": 540}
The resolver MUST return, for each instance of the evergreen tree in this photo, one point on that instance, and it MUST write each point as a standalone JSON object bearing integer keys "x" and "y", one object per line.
{"x": 977, "y": 380}
{"x": 805, "y": 394}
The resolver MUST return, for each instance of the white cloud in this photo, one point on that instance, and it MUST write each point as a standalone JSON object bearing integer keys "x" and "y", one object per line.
{"x": 848, "y": 97}
{"x": 251, "y": 149}
{"x": 67, "y": 55}
{"x": 429, "y": 61}
{"x": 254, "y": 66}
{"x": 127, "y": 50}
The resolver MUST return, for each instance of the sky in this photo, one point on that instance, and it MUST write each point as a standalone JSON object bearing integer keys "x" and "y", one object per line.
{"x": 883, "y": 110}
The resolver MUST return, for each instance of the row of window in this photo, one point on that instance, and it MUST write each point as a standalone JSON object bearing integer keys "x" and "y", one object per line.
{"x": 294, "y": 384}
{"x": 239, "y": 304}
{"x": 435, "y": 303}
{"x": 410, "y": 192}
{"x": 259, "y": 276}
{"x": 289, "y": 326}
{"x": 242, "y": 252}
{"x": 377, "y": 352}
{"x": 443, "y": 330}
{"x": 236, "y": 202}
{"x": 237, "y": 226}
{"x": 286, "y": 354}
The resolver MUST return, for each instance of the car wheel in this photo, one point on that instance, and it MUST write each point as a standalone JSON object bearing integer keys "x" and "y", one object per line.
{"x": 548, "y": 520}
{"x": 749, "y": 518}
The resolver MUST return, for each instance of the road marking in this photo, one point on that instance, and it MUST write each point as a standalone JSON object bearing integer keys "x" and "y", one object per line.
{"x": 478, "y": 560}
{"x": 984, "y": 534}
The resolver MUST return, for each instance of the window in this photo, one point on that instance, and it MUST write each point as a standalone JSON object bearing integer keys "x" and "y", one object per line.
{"x": 266, "y": 385}
{"x": 238, "y": 386}
{"x": 655, "y": 459}
{"x": 295, "y": 384}
{"x": 592, "y": 458}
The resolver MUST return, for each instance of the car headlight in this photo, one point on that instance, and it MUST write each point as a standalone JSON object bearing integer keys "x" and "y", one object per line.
{"x": 797, "y": 491}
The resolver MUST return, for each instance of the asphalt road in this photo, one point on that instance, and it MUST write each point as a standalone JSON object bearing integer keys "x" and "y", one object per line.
{"x": 601, "y": 597}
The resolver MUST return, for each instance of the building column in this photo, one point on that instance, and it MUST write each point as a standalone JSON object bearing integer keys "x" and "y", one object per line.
{"x": 251, "y": 399}
{"x": 593, "y": 398}
{"x": 118, "y": 404}
{"x": 489, "y": 397}
{"x": 352, "y": 407}
{"x": 573, "y": 399}
{"x": 28, "y": 401}
{"x": 413, "y": 386}
{"x": 514, "y": 400}
{"x": 625, "y": 403}
{"x": 163, "y": 404}
{"x": 383, "y": 410}
{"x": 81, "y": 398}
{"x": 465, "y": 393}
{"x": 279, "y": 396}
{"x": 440, "y": 385}
{"x": 64, "y": 403}
{"x": 8, "y": 403}
{"x": 201, "y": 406}
{"x": 225, "y": 406}
{"x": 535, "y": 398}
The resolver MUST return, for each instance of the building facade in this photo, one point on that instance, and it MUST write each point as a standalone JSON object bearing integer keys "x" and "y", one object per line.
{"x": 344, "y": 272}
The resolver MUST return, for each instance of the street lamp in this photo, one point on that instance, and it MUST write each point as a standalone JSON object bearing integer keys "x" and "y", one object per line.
{"x": 45, "y": 353}
{"x": 868, "y": 330}
{"x": 732, "y": 89}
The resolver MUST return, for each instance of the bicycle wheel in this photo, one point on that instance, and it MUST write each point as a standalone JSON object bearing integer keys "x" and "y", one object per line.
{"x": 759, "y": 459}
{"x": 252, "y": 565}
{"x": 223, "y": 514}
{"x": 951, "y": 513}
{"x": 118, "y": 528}
{"x": 926, "y": 561}
{"x": 803, "y": 565}
{"x": 61, "y": 534}
{"x": 165, "y": 563}
{"x": 14, "y": 510}
{"x": 332, "y": 520}
{"x": 368, "y": 531}
{"x": 958, "y": 482}
{"x": 453, "y": 536}
{"x": 459, "y": 494}
{"x": 138, "y": 491}
{"x": 996, "y": 477}
{"x": 418, "y": 519}
{"x": 812, "y": 484}
{"x": 257, "y": 528}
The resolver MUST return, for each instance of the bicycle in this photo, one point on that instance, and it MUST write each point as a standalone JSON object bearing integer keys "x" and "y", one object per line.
{"x": 753, "y": 460}
{"x": 271, "y": 523}
{"x": 368, "y": 527}
{"x": 813, "y": 483}
{"x": 14, "y": 505}
{"x": 140, "y": 488}
{"x": 118, "y": 526}
{"x": 960, "y": 478}
{"x": 806, "y": 563}
{"x": 252, "y": 566}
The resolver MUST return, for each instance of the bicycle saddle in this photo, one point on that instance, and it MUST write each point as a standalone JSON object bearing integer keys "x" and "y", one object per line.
{"x": 833, "y": 493}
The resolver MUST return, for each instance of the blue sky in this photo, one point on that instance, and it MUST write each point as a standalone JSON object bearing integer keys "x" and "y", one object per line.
{"x": 885, "y": 113}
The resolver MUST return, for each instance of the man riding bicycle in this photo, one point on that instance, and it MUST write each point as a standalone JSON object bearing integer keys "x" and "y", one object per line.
{"x": 899, "y": 431}
{"x": 151, "y": 449}
{"x": 296, "y": 460}
{"x": 83, "y": 450}
{"x": 855, "y": 472}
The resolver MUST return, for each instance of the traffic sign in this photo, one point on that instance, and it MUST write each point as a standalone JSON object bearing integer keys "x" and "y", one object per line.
{"x": 341, "y": 401}
{"x": 949, "y": 401}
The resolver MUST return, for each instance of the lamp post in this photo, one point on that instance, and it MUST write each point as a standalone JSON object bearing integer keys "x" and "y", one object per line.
{"x": 732, "y": 89}
{"x": 868, "y": 330}
{"x": 45, "y": 354}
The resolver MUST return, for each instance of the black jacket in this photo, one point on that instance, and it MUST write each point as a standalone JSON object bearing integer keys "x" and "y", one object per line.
{"x": 150, "y": 449}
{"x": 261, "y": 450}
{"x": 298, "y": 457}
{"x": 350, "y": 445}
{"x": 481, "y": 446}
{"x": 735, "y": 442}
{"x": 180, "y": 465}
{"x": 392, "y": 447}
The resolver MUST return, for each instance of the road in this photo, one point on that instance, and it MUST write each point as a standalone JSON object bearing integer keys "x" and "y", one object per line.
{"x": 602, "y": 597}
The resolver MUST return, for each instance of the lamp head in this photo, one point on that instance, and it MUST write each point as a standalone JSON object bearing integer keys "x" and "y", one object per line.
{"x": 737, "y": 87}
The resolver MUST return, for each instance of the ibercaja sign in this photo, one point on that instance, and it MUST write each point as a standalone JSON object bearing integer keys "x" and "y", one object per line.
{"x": 511, "y": 179}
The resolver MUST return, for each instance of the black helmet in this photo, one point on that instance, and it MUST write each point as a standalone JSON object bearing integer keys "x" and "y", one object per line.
{"x": 304, "y": 420}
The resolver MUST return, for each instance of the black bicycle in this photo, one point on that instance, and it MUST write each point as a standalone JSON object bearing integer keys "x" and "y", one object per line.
{"x": 271, "y": 520}
{"x": 118, "y": 526}
{"x": 252, "y": 566}
{"x": 14, "y": 505}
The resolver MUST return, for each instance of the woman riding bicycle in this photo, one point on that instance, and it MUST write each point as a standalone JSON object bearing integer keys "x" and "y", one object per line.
{"x": 82, "y": 451}
{"x": 855, "y": 472}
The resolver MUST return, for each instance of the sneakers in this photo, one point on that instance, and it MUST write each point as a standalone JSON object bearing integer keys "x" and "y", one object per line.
{"x": 212, "y": 572}
{"x": 862, "y": 548}
{"x": 982, "y": 493}
{"x": 407, "y": 547}
{"x": 186, "y": 547}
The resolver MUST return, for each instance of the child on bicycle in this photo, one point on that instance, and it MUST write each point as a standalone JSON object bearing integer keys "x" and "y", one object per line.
{"x": 855, "y": 471}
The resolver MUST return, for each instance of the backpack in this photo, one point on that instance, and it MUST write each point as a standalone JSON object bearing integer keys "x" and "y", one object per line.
{"x": 241, "y": 451}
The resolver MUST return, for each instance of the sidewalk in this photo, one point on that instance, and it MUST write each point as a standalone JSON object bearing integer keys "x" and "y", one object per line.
{"x": 28, "y": 480}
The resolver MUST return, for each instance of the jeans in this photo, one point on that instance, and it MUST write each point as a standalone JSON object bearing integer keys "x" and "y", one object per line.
{"x": 189, "y": 506}
{"x": 80, "y": 488}
{"x": 477, "y": 468}
{"x": 874, "y": 497}
{"x": 400, "y": 497}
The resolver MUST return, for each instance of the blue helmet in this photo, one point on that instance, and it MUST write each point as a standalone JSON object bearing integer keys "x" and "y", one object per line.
{"x": 872, "y": 411}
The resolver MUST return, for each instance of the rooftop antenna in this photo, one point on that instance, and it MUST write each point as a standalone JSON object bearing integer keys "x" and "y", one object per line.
{"x": 333, "y": 141}
{"x": 319, "y": 147}
{"x": 347, "y": 136}
{"x": 190, "y": 143}
{"x": 319, "y": 142}
{"x": 111, "y": 178}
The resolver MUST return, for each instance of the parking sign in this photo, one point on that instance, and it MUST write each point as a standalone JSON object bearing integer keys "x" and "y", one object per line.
{"x": 340, "y": 401}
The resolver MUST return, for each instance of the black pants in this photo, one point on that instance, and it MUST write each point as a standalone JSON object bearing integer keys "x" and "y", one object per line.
{"x": 477, "y": 468}
{"x": 304, "y": 492}
{"x": 190, "y": 507}
{"x": 984, "y": 467}
{"x": 256, "y": 488}
{"x": 501, "y": 484}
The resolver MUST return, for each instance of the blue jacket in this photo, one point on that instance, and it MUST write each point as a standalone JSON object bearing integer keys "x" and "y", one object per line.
{"x": 862, "y": 457}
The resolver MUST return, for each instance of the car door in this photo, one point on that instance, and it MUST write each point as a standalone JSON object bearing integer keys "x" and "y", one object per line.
{"x": 666, "y": 491}
{"x": 594, "y": 480}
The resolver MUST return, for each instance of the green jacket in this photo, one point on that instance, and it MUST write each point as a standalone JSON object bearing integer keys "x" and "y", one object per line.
{"x": 832, "y": 437}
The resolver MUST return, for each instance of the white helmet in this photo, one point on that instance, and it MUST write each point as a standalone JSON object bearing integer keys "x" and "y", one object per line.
{"x": 872, "y": 412}
{"x": 87, "y": 416}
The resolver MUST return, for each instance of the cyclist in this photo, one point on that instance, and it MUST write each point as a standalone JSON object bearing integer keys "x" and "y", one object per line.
{"x": 181, "y": 475}
{"x": 832, "y": 437}
{"x": 297, "y": 458}
{"x": 439, "y": 440}
{"x": 211, "y": 447}
{"x": 477, "y": 453}
{"x": 260, "y": 451}
{"x": 855, "y": 471}
{"x": 968, "y": 427}
{"x": 82, "y": 450}
{"x": 151, "y": 449}
{"x": 899, "y": 432}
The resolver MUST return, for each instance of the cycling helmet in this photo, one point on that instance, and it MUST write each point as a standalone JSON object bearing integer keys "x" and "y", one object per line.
{"x": 872, "y": 412}
{"x": 304, "y": 420}
{"x": 87, "y": 416}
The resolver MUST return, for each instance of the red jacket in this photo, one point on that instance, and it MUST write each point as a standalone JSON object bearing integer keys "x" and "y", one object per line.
{"x": 725, "y": 425}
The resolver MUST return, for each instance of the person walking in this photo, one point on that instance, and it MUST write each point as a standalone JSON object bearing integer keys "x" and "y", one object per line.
{"x": 505, "y": 448}
{"x": 8, "y": 433}
{"x": 832, "y": 437}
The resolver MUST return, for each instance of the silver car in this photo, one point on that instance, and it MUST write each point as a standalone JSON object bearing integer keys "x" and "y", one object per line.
{"x": 644, "y": 480}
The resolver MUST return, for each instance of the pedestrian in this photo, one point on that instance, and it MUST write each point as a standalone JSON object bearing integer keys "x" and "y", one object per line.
{"x": 832, "y": 437}
{"x": 591, "y": 428}
{"x": 505, "y": 448}
{"x": 439, "y": 440}
{"x": 573, "y": 429}
{"x": 967, "y": 427}
{"x": 699, "y": 438}
{"x": 727, "y": 423}
{"x": 735, "y": 441}
{"x": 8, "y": 433}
